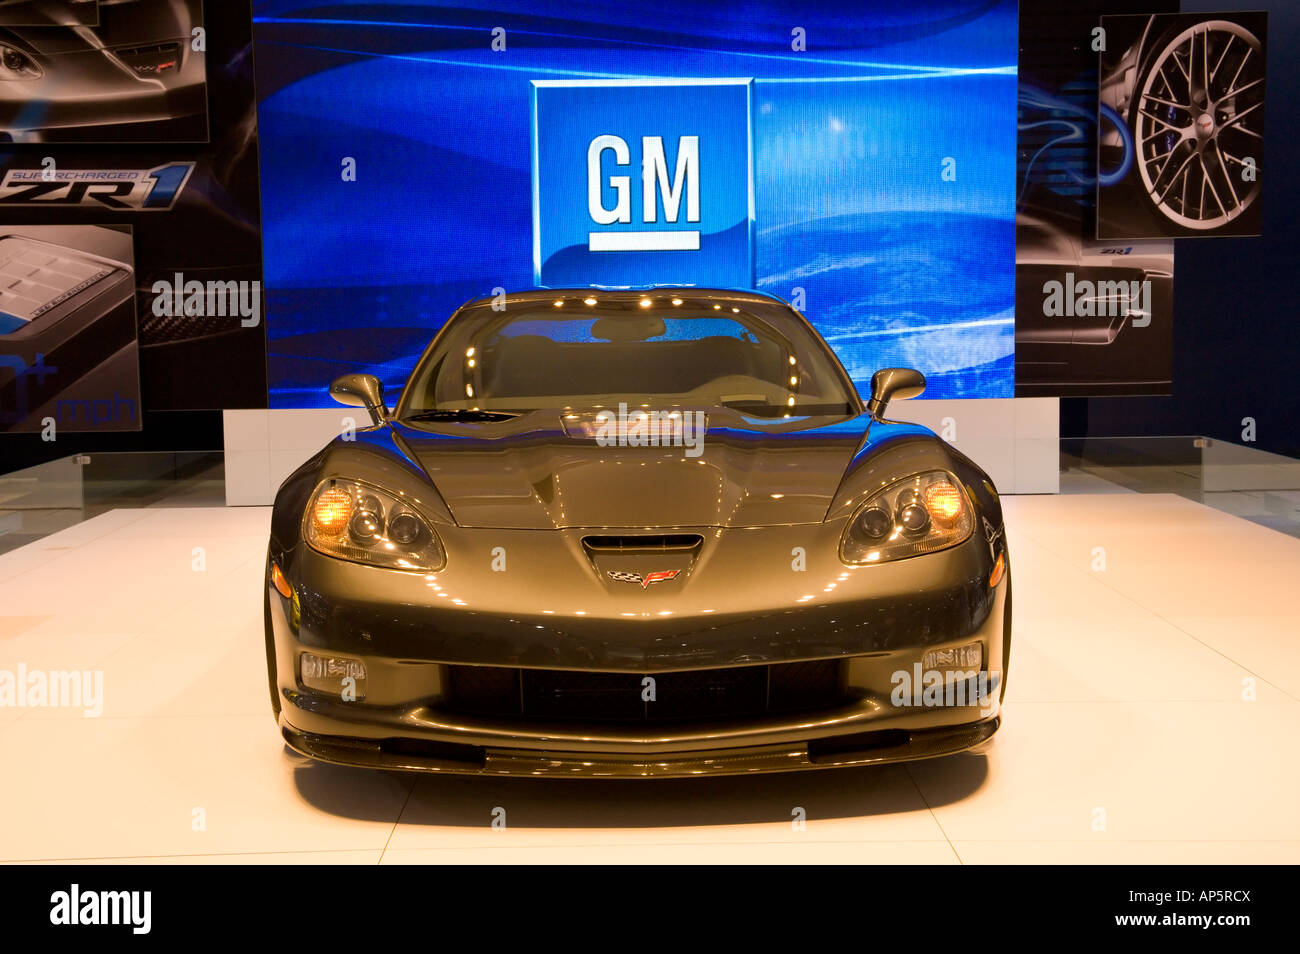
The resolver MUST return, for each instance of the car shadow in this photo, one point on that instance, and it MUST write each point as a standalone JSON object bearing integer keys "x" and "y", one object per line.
{"x": 541, "y": 803}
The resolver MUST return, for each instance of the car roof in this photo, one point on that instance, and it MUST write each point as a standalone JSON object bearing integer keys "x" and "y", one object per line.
{"x": 626, "y": 294}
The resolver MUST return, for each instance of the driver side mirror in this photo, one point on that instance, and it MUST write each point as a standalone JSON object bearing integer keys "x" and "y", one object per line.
{"x": 893, "y": 384}
{"x": 361, "y": 390}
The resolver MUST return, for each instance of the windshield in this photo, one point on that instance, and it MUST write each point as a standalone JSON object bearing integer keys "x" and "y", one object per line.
{"x": 592, "y": 350}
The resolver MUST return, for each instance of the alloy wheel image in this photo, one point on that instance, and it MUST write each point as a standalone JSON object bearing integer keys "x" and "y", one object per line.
{"x": 1199, "y": 122}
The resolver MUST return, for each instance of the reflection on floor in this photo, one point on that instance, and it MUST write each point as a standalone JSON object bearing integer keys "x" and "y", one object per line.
{"x": 1237, "y": 479}
{"x": 1151, "y": 715}
{"x": 50, "y": 497}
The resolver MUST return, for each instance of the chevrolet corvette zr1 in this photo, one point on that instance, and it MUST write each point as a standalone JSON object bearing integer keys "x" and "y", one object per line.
{"x": 484, "y": 581}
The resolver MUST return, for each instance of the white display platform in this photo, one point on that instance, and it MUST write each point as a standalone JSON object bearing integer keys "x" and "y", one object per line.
{"x": 1150, "y": 717}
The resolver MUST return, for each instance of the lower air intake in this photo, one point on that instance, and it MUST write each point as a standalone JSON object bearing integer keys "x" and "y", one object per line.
{"x": 697, "y": 694}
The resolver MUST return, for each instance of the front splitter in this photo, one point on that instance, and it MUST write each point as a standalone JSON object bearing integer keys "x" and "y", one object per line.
{"x": 863, "y": 748}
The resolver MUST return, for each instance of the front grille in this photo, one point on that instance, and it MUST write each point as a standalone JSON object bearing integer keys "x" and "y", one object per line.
{"x": 154, "y": 49}
{"x": 151, "y": 60}
{"x": 696, "y": 694}
{"x": 642, "y": 541}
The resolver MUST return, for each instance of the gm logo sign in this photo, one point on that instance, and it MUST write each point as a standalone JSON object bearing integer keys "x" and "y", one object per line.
{"x": 642, "y": 182}
{"x": 654, "y": 175}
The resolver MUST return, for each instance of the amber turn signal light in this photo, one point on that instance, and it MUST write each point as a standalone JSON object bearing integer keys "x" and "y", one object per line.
{"x": 332, "y": 511}
{"x": 943, "y": 500}
{"x": 999, "y": 568}
{"x": 281, "y": 584}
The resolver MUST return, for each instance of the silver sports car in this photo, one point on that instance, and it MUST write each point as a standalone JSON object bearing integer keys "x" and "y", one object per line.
{"x": 635, "y": 533}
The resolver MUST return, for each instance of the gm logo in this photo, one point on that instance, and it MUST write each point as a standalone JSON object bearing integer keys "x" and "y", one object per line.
{"x": 642, "y": 182}
{"x": 654, "y": 176}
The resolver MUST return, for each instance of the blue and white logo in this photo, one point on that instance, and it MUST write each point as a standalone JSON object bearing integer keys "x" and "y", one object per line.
{"x": 642, "y": 182}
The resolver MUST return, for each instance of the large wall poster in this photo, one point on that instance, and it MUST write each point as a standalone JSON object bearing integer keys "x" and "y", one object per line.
{"x": 1093, "y": 317}
{"x": 131, "y": 75}
{"x": 69, "y": 357}
{"x": 193, "y": 206}
{"x": 1182, "y": 119}
{"x": 84, "y": 13}
{"x": 412, "y": 160}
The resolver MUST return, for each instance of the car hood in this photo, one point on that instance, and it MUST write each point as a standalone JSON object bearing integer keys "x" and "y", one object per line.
{"x": 533, "y": 472}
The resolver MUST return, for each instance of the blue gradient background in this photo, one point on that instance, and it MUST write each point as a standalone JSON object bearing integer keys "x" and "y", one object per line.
{"x": 898, "y": 267}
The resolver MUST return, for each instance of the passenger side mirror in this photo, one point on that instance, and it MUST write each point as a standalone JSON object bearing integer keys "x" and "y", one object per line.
{"x": 893, "y": 384}
{"x": 361, "y": 390}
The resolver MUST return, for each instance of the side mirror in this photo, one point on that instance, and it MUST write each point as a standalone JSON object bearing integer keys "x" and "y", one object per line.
{"x": 893, "y": 384}
{"x": 361, "y": 390}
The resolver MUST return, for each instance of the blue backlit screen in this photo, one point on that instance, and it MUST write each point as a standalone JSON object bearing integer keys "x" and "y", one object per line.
{"x": 857, "y": 160}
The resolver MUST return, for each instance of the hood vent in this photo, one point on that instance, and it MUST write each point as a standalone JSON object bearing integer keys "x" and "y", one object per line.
{"x": 619, "y": 543}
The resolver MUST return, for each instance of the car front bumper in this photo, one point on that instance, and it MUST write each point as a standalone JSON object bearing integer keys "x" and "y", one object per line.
{"x": 404, "y": 720}
{"x": 26, "y": 118}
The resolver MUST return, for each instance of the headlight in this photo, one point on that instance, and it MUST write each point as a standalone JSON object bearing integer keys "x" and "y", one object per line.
{"x": 912, "y": 516}
{"x": 15, "y": 64}
{"x": 355, "y": 521}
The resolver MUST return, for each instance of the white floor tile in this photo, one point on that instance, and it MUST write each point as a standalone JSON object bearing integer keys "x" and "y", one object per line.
{"x": 1263, "y": 644}
{"x": 873, "y": 853}
{"x": 1058, "y": 658}
{"x": 98, "y": 788}
{"x": 1163, "y": 771}
{"x": 1110, "y": 852}
{"x": 1127, "y": 736}
{"x": 869, "y": 804}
